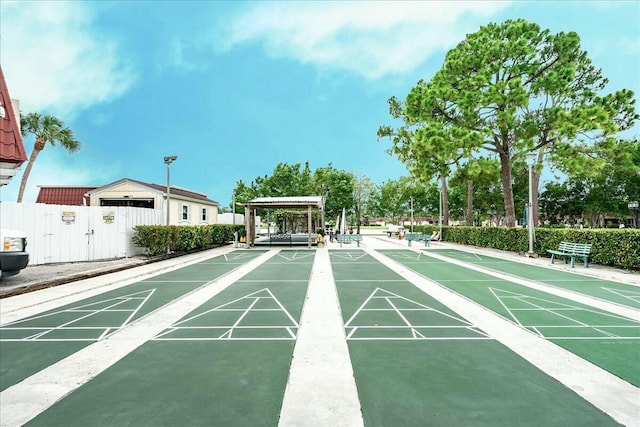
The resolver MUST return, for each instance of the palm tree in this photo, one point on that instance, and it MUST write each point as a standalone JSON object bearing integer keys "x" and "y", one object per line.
{"x": 46, "y": 129}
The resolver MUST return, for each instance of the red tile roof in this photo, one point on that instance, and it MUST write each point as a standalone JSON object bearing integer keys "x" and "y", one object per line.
{"x": 11, "y": 146}
{"x": 74, "y": 196}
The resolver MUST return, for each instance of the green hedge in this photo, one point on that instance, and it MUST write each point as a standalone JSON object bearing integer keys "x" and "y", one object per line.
{"x": 183, "y": 238}
{"x": 617, "y": 248}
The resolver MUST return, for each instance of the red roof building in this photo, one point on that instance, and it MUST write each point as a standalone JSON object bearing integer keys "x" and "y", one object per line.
{"x": 69, "y": 195}
{"x": 12, "y": 152}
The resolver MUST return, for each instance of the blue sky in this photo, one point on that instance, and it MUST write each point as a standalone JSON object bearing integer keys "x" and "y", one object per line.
{"x": 234, "y": 88}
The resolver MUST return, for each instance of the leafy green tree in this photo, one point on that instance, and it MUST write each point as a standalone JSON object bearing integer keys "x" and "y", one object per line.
{"x": 604, "y": 188}
{"x": 242, "y": 193}
{"x": 424, "y": 148}
{"x": 563, "y": 200}
{"x": 391, "y": 200}
{"x": 509, "y": 89}
{"x": 338, "y": 188}
{"x": 296, "y": 180}
{"x": 286, "y": 180}
{"x": 479, "y": 176}
{"x": 48, "y": 130}
{"x": 424, "y": 196}
{"x": 612, "y": 180}
{"x": 363, "y": 189}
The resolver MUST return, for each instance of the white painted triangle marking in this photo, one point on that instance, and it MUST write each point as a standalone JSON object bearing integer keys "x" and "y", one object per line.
{"x": 349, "y": 256}
{"x": 387, "y": 296}
{"x": 143, "y": 296}
{"x": 538, "y": 304}
{"x": 502, "y": 294}
{"x": 295, "y": 256}
{"x": 628, "y": 294}
{"x": 250, "y": 301}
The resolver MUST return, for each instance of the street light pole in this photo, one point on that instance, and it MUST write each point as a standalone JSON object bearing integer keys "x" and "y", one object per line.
{"x": 530, "y": 159}
{"x": 167, "y": 161}
{"x": 634, "y": 208}
{"x": 440, "y": 219}
{"x": 411, "y": 199}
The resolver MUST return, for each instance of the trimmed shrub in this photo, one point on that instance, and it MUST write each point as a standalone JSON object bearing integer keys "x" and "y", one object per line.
{"x": 184, "y": 238}
{"x": 613, "y": 247}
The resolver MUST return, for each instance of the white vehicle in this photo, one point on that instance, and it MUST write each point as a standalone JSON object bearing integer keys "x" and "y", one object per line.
{"x": 13, "y": 252}
{"x": 394, "y": 230}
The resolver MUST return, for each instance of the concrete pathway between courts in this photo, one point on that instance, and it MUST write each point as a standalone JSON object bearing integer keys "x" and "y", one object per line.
{"x": 321, "y": 384}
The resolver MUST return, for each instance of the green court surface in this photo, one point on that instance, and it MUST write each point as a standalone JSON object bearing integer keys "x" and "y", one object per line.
{"x": 225, "y": 363}
{"x": 33, "y": 343}
{"x": 418, "y": 363}
{"x": 617, "y": 292}
{"x": 605, "y": 339}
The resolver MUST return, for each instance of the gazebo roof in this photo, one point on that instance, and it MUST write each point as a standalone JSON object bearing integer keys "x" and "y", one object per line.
{"x": 288, "y": 202}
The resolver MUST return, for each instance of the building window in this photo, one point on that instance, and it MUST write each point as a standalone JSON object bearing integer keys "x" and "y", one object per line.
{"x": 203, "y": 215}
{"x": 136, "y": 203}
{"x": 185, "y": 214}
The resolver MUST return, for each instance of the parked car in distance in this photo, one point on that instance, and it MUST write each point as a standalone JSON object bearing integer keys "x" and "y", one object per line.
{"x": 394, "y": 230}
{"x": 13, "y": 252}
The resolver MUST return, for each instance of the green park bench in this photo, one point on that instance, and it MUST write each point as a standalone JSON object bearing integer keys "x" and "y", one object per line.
{"x": 570, "y": 250}
{"x": 348, "y": 238}
{"x": 426, "y": 238}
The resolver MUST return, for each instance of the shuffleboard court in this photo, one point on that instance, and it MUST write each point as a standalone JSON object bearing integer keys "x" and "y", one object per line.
{"x": 28, "y": 345}
{"x": 416, "y": 362}
{"x": 224, "y": 363}
{"x": 605, "y": 339}
{"x": 619, "y": 293}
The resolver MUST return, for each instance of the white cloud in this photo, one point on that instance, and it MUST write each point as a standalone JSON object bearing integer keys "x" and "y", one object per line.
{"x": 368, "y": 38}
{"x": 56, "y": 61}
{"x": 178, "y": 54}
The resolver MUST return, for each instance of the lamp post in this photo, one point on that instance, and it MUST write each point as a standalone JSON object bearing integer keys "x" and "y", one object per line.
{"x": 634, "y": 207}
{"x": 411, "y": 210}
{"x": 440, "y": 219}
{"x": 530, "y": 160}
{"x": 325, "y": 193}
{"x": 167, "y": 161}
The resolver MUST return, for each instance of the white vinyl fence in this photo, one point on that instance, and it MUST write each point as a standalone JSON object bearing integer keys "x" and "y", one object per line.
{"x": 57, "y": 233}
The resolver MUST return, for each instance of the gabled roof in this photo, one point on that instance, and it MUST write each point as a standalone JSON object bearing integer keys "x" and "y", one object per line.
{"x": 176, "y": 192}
{"x": 64, "y": 195}
{"x": 11, "y": 146}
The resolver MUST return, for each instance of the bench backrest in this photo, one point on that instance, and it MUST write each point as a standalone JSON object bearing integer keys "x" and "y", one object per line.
{"x": 416, "y": 236}
{"x": 344, "y": 238}
{"x": 575, "y": 248}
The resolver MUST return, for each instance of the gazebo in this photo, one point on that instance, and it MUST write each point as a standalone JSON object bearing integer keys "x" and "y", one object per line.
{"x": 301, "y": 203}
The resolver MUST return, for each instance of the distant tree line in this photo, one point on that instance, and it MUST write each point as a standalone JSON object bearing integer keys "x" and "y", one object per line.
{"x": 583, "y": 199}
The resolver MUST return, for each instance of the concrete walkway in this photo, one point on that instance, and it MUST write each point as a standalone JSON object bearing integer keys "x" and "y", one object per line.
{"x": 321, "y": 384}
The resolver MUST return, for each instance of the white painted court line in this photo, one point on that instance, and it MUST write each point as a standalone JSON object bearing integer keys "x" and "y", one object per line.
{"x": 250, "y": 300}
{"x": 609, "y": 393}
{"x": 321, "y": 389}
{"x": 25, "y": 400}
{"x": 574, "y": 296}
{"x": 32, "y": 303}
